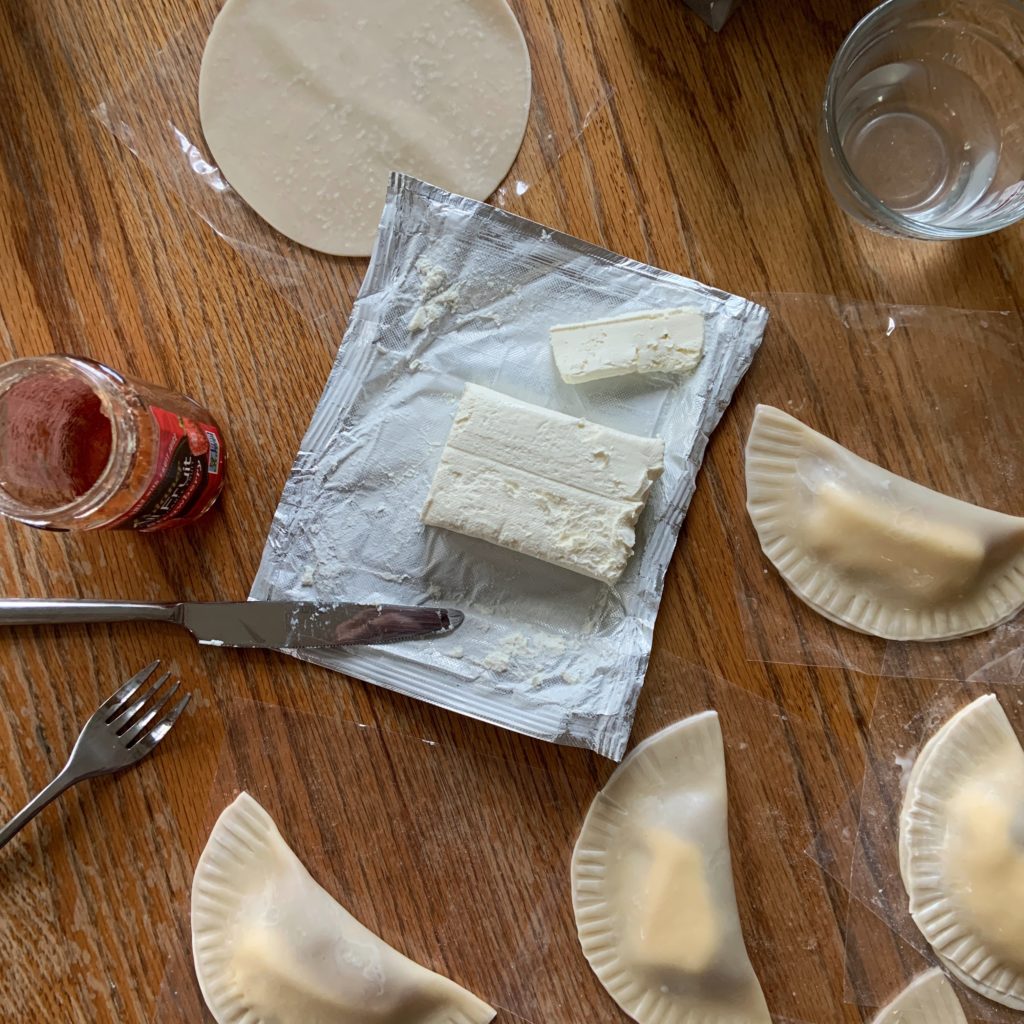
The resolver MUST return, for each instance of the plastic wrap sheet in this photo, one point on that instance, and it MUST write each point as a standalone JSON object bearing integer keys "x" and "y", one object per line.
{"x": 92, "y": 886}
{"x": 714, "y": 12}
{"x": 859, "y": 847}
{"x": 779, "y": 781}
{"x": 156, "y": 115}
{"x": 458, "y": 291}
{"x": 462, "y": 860}
{"x": 929, "y": 393}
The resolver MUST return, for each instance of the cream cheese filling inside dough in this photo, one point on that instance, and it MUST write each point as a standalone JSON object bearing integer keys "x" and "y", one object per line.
{"x": 676, "y": 876}
{"x": 653, "y": 887}
{"x": 272, "y": 947}
{"x": 962, "y": 852}
{"x": 308, "y": 105}
{"x": 986, "y": 857}
{"x": 872, "y": 550}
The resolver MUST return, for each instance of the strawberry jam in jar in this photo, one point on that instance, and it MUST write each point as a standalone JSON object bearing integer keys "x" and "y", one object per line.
{"x": 83, "y": 447}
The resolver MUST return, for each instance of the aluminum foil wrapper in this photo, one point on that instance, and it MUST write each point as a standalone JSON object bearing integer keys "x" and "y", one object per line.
{"x": 460, "y": 291}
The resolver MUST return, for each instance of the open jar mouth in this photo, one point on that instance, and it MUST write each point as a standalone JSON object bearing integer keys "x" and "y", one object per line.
{"x": 34, "y": 425}
{"x": 865, "y": 33}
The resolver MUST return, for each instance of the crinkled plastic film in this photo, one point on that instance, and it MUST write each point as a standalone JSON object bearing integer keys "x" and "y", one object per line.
{"x": 461, "y": 859}
{"x": 931, "y": 394}
{"x": 124, "y": 843}
{"x": 884, "y": 949}
{"x": 774, "y": 760}
{"x": 715, "y": 12}
{"x": 157, "y": 117}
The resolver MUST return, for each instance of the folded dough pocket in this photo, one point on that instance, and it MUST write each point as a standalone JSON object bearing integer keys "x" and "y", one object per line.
{"x": 928, "y": 999}
{"x": 961, "y": 854}
{"x": 871, "y": 550}
{"x": 270, "y": 945}
{"x": 653, "y": 888}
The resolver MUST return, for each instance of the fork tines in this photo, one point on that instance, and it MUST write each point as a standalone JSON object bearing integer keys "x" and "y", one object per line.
{"x": 140, "y": 718}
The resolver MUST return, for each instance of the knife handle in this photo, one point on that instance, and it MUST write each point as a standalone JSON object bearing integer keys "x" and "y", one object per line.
{"x": 42, "y": 611}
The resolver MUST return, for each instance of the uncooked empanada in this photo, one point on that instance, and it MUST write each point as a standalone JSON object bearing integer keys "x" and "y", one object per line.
{"x": 928, "y": 999}
{"x": 871, "y": 550}
{"x": 653, "y": 889}
{"x": 962, "y": 850}
{"x": 272, "y": 947}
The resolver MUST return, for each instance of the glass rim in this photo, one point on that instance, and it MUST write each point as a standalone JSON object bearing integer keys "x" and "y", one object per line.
{"x": 885, "y": 214}
{"x": 122, "y": 436}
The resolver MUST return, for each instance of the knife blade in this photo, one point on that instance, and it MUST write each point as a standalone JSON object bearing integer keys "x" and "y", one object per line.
{"x": 274, "y": 624}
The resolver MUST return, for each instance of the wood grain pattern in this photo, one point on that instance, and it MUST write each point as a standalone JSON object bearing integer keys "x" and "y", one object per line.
{"x": 649, "y": 135}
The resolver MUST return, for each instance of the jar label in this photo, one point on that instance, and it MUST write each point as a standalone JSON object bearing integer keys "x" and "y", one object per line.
{"x": 187, "y": 477}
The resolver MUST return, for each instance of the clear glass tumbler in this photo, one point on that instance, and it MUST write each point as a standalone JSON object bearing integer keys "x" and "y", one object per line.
{"x": 922, "y": 129}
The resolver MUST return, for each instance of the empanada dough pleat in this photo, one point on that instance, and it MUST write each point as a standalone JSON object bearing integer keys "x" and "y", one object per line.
{"x": 928, "y": 999}
{"x": 272, "y": 947}
{"x": 653, "y": 888}
{"x": 961, "y": 847}
{"x": 872, "y": 550}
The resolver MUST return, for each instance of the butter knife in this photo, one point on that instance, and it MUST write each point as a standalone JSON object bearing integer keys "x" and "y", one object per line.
{"x": 274, "y": 624}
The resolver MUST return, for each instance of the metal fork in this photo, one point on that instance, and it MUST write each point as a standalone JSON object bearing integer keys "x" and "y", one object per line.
{"x": 120, "y": 733}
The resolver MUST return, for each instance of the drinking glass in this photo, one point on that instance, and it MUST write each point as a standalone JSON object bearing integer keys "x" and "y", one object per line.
{"x": 922, "y": 128}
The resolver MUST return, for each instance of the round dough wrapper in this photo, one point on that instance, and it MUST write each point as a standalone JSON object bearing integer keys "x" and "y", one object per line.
{"x": 308, "y": 105}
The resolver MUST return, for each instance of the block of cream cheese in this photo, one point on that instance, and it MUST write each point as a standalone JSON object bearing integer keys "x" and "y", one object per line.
{"x": 659, "y": 341}
{"x": 552, "y": 486}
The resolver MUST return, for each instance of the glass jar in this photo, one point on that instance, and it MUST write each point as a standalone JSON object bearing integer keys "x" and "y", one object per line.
{"x": 83, "y": 447}
{"x": 922, "y": 128}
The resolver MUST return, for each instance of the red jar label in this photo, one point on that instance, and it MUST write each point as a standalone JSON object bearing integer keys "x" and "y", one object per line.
{"x": 188, "y": 475}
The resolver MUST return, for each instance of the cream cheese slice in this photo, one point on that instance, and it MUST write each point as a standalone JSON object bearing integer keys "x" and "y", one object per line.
{"x": 658, "y": 341}
{"x": 556, "y": 487}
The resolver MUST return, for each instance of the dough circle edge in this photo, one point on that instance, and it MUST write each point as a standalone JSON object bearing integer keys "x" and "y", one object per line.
{"x": 243, "y": 174}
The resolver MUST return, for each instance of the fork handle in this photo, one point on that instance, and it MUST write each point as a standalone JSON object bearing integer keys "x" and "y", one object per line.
{"x": 63, "y": 782}
{"x": 34, "y": 611}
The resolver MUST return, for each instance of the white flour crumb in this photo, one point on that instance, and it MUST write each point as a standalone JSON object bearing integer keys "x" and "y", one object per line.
{"x": 515, "y": 643}
{"x": 906, "y": 766}
{"x": 308, "y": 576}
{"x": 571, "y": 678}
{"x": 434, "y": 309}
{"x": 535, "y": 656}
{"x": 436, "y": 298}
{"x": 496, "y": 662}
{"x": 432, "y": 278}
{"x": 549, "y": 642}
{"x": 456, "y": 652}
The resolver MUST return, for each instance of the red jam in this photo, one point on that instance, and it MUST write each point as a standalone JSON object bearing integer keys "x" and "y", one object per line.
{"x": 55, "y": 439}
{"x": 83, "y": 447}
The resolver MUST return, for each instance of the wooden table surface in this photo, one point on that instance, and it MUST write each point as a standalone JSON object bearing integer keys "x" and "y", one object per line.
{"x": 649, "y": 135}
